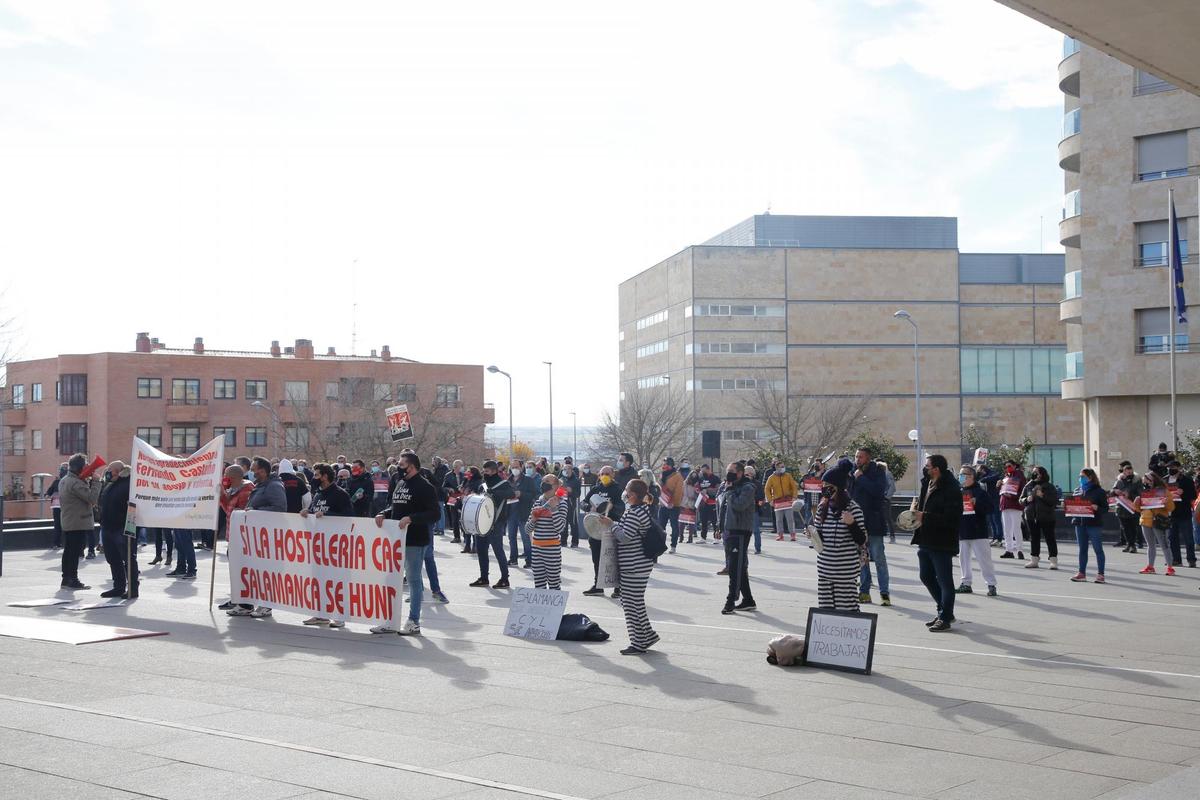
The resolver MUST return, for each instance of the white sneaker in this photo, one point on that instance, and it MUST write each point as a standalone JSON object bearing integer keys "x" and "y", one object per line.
{"x": 336, "y": 623}
{"x": 1033, "y": 563}
{"x": 1054, "y": 562}
{"x": 238, "y": 611}
{"x": 316, "y": 621}
{"x": 410, "y": 629}
{"x": 384, "y": 629}
{"x": 260, "y": 611}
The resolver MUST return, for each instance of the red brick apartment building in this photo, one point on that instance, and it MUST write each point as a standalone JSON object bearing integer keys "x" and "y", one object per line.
{"x": 287, "y": 401}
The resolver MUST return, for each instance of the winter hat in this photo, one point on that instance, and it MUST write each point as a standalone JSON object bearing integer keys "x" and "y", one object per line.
{"x": 285, "y": 466}
{"x": 839, "y": 474}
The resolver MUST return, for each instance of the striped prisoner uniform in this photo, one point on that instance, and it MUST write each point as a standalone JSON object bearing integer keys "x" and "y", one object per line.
{"x": 840, "y": 562}
{"x": 545, "y": 534}
{"x": 635, "y": 573}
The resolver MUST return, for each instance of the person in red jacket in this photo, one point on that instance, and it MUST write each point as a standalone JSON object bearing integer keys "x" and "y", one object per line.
{"x": 1010, "y": 509}
{"x": 235, "y": 494}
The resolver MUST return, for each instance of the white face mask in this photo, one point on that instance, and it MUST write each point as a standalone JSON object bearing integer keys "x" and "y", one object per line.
{"x": 530, "y": 470}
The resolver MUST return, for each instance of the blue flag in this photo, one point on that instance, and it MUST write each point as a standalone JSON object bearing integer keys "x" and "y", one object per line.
{"x": 1176, "y": 260}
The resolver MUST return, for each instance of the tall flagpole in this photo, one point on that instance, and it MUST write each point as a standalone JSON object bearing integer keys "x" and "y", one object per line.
{"x": 1171, "y": 308}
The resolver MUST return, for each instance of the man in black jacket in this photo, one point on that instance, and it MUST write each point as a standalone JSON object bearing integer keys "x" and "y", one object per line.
{"x": 415, "y": 507}
{"x": 940, "y": 510}
{"x": 501, "y": 491}
{"x": 570, "y": 483}
{"x": 294, "y": 486}
{"x": 361, "y": 488}
{"x": 869, "y": 489}
{"x": 1181, "y": 517}
{"x": 114, "y": 505}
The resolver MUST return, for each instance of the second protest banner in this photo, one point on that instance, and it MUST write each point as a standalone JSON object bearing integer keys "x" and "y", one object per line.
{"x": 343, "y": 568}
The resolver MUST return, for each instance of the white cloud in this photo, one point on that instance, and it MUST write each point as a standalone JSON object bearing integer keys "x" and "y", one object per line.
{"x": 39, "y": 22}
{"x": 971, "y": 45}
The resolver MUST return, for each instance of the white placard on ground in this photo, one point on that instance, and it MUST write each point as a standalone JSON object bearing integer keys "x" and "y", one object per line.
{"x": 842, "y": 640}
{"x": 535, "y": 613}
{"x": 42, "y": 603}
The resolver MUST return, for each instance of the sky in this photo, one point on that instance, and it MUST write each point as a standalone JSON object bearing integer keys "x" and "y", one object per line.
{"x": 469, "y": 182}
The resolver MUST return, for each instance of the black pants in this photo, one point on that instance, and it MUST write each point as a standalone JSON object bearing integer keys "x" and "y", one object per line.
{"x": 159, "y": 535}
{"x": 57, "y": 541}
{"x": 1036, "y": 531}
{"x": 93, "y": 539}
{"x": 1181, "y": 533}
{"x": 594, "y": 545}
{"x": 1129, "y": 531}
{"x": 116, "y": 553}
{"x": 494, "y": 540}
{"x": 707, "y": 515}
{"x": 73, "y": 544}
{"x": 936, "y": 569}
{"x": 737, "y": 547}
{"x": 572, "y": 529}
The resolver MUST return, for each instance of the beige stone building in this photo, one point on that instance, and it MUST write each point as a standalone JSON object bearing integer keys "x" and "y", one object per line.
{"x": 807, "y": 304}
{"x": 1128, "y": 138}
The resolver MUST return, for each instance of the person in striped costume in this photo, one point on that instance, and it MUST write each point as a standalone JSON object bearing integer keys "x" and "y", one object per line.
{"x": 635, "y": 567}
{"x": 842, "y": 527}
{"x": 547, "y": 522}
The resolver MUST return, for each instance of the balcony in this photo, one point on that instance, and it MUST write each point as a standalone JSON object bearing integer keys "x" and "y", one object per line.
{"x": 1071, "y": 144}
{"x": 1071, "y": 307}
{"x": 1073, "y": 389}
{"x": 1068, "y": 68}
{"x": 1159, "y": 344}
{"x": 1069, "y": 228}
{"x": 187, "y": 410}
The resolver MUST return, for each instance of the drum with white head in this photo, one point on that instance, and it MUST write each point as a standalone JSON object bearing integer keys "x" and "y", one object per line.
{"x": 478, "y": 514}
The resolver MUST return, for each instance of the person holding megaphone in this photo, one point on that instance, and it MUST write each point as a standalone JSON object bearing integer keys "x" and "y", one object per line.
{"x": 79, "y": 493}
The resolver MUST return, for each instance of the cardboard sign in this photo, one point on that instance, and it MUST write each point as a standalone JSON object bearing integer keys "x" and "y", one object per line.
{"x": 968, "y": 505}
{"x": 841, "y": 640}
{"x": 174, "y": 492}
{"x": 1154, "y": 498}
{"x": 981, "y": 455}
{"x": 399, "y": 422}
{"x": 687, "y": 516}
{"x": 535, "y": 614}
{"x": 782, "y": 504}
{"x": 1176, "y": 494}
{"x": 1125, "y": 503}
{"x": 1078, "y": 507}
{"x": 606, "y": 577}
{"x": 812, "y": 485}
{"x": 343, "y": 568}
{"x": 380, "y": 484}
{"x": 1009, "y": 487}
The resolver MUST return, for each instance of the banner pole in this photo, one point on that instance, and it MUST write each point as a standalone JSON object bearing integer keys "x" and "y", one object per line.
{"x": 212, "y": 581}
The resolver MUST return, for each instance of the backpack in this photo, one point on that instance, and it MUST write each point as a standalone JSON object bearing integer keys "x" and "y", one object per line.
{"x": 654, "y": 541}
{"x": 578, "y": 628}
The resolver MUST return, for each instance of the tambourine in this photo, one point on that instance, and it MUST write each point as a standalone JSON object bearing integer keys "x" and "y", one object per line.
{"x": 596, "y": 525}
{"x": 907, "y": 521}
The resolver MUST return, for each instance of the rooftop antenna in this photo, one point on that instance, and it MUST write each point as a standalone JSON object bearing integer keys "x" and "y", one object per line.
{"x": 354, "y": 308}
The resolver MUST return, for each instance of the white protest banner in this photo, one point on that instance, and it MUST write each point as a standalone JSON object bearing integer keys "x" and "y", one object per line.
{"x": 841, "y": 640}
{"x": 535, "y": 613}
{"x": 606, "y": 577}
{"x": 399, "y": 422}
{"x": 174, "y": 492}
{"x": 343, "y": 568}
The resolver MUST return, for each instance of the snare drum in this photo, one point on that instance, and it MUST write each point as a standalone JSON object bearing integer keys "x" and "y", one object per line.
{"x": 478, "y": 513}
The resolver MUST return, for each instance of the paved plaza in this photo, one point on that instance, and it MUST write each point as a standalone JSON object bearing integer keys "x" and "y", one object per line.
{"x": 1052, "y": 690}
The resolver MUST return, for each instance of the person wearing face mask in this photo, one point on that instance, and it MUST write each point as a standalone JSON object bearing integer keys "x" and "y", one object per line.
{"x": 328, "y": 500}
{"x": 781, "y": 489}
{"x": 625, "y": 470}
{"x": 235, "y": 495}
{"x": 760, "y": 503}
{"x": 605, "y": 490}
{"x": 547, "y": 524}
{"x": 452, "y": 497}
{"x": 501, "y": 491}
{"x": 973, "y": 531}
{"x": 868, "y": 487}
{"x": 939, "y": 511}
{"x": 1010, "y": 509}
{"x": 843, "y": 531}
{"x": 706, "y": 486}
{"x": 415, "y": 507}
{"x": 114, "y": 506}
{"x": 379, "y": 487}
{"x": 268, "y": 494}
{"x": 1088, "y": 530}
{"x": 360, "y": 488}
{"x": 635, "y": 569}
{"x": 1155, "y": 505}
{"x": 524, "y": 481}
{"x": 1040, "y": 501}
{"x": 571, "y": 485}
{"x": 670, "y": 498}
{"x": 1183, "y": 488}
{"x": 1126, "y": 489}
{"x": 737, "y": 511}
{"x": 1160, "y": 459}
{"x": 471, "y": 483}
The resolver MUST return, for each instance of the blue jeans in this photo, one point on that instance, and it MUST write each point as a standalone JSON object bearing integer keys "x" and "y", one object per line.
{"x": 516, "y": 522}
{"x": 875, "y": 548}
{"x": 431, "y": 569}
{"x": 185, "y": 551}
{"x": 1196, "y": 532}
{"x": 937, "y": 573}
{"x": 440, "y": 527}
{"x": 757, "y": 532}
{"x": 996, "y": 525}
{"x": 670, "y": 515}
{"x": 414, "y": 560}
{"x": 1085, "y": 535}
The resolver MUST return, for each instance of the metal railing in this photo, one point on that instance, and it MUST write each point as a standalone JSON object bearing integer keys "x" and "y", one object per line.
{"x": 1070, "y": 46}
{"x": 1152, "y": 87}
{"x": 1164, "y": 174}
{"x": 1070, "y": 123}
{"x": 1158, "y": 344}
{"x": 1161, "y": 261}
{"x": 1072, "y": 205}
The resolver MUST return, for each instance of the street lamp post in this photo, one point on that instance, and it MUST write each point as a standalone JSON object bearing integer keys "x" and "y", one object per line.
{"x": 904, "y": 315}
{"x": 276, "y": 425}
{"x": 550, "y": 374}
{"x": 574, "y": 436}
{"x": 496, "y": 370}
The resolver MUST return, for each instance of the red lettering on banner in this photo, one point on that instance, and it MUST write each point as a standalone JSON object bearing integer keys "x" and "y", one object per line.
{"x": 388, "y": 554}
{"x": 371, "y": 600}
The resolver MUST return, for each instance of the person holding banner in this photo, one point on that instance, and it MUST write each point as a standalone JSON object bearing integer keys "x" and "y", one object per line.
{"x": 268, "y": 495}
{"x": 547, "y": 524}
{"x": 114, "y": 507}
{"x": 635, "y": 566}
{"x": 501, "y": 491}
{"x": 415, "y": 507}
{"x": 1010, "y": 509}
{"x": 973, "y": 530}
{"x": 1088, "y": 530}
{"x": 1155, "y": 505}
{"x": 1125, "y": 490}
{"x": 1183, "y": 489}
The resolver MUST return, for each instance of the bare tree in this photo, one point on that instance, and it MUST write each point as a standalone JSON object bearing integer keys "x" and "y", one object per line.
{"x": 805, "y": 426}
{"x": 651, "y": 424}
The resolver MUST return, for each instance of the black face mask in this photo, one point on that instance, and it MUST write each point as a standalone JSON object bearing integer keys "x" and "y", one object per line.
{"x": 547, "y": 487}
{"x": 1173, "y": 470}
{"x": 828, "y": 491}
{"x": 925, "y": 471}
{"x": 731, "y": 476}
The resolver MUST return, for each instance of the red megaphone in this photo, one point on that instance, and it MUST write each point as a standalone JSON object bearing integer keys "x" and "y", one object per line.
{"x": 96, "y": 464}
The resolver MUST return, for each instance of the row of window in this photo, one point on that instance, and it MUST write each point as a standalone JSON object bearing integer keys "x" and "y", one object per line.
{"x": 652, "y": 348}
{"x": 743, "y": 348}
{"x": 747, "y": 434}
{"x": 1011, "y": 370}
{"x": 653, "y": 319}
{"x": 732, "y": 310}
{"x": 733, "y": 384}
{"x": 69, "y": 390}
{"x": 654, "y": 381}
